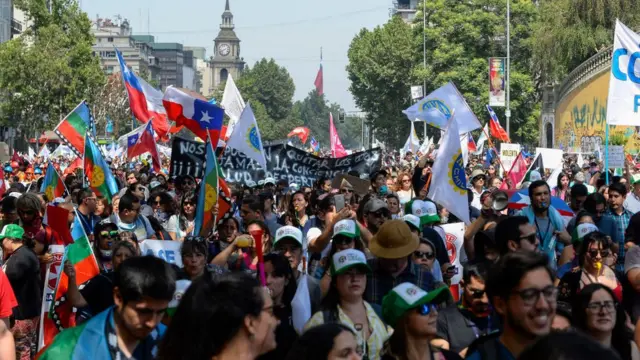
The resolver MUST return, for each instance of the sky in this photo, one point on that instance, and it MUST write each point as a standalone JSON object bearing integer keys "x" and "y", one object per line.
{"x": 289, "y": 31}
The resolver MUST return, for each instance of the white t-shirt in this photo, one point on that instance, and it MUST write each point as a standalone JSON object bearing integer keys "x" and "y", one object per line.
{"x": 632, "y": 203}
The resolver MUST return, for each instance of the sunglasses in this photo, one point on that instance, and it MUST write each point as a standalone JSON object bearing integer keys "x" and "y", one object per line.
{"x": 109, "y": 234}
{"x": 379, "y": 214}
{"x": 342, "y": 240}
{"x": 477, "y": 294}
{"x": 345, "y": 191}
{"x": 530, "y": 238}
{"x": 406, "y": 180}
{"x": 424, "y": 255}
{"x": 189, "y": 204}
{"x": 604, "y": 253}
{"x": 426, "y": 309}
{"x": 194, "y": 238}
{"x": 157, "y": 202}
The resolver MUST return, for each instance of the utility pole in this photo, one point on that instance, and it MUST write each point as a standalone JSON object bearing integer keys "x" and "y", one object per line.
{"x": 424, "y": 54}
{"x": 508, "y": 110}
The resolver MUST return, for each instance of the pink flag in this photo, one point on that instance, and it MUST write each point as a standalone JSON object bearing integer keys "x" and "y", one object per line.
{"x": 337, "y": 150}
{"x": 517, "y": 172}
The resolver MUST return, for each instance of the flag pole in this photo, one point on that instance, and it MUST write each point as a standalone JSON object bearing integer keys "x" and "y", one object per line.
{"x": 494, "y": 149}
{"x": 606, "y": 153}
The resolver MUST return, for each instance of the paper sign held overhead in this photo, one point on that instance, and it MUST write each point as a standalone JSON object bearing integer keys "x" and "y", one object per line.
{"x": 616, "y": 157}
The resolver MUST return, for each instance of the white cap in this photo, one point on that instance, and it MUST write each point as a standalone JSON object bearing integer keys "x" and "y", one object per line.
{"x": 534, "y": 176}
{"x": 346, "y": 227}
{"x": 270, "y": 180}
{"x": 412, "y": 220}
{"x": 288, "y": 232}
{"x": 313, "y": 233}
{"x": 346, "y": 259}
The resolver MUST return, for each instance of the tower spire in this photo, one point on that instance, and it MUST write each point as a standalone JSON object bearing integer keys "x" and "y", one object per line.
{"x": 226, "y": 7}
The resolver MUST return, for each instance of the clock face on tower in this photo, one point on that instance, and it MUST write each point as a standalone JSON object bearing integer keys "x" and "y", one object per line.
{"x": 224, "y": 49}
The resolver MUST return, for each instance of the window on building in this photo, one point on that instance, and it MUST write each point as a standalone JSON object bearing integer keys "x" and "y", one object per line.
{"x": 110, "y": 39}
{"x": 224, "y": 74}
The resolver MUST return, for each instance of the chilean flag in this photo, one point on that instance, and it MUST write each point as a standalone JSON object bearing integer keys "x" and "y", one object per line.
{"x": 199, "y": 116}
{"x": 141, "y": 142}
{"x": 145, "y": 101}
{"x": 471, "y": 144}
{"x": 496, "y": 129}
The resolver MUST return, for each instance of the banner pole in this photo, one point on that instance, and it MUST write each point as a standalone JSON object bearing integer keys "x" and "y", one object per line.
{"x": 606, "y": 154}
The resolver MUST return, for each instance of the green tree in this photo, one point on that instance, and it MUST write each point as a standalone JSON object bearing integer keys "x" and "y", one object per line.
{"x": 461, "y": 36}
{"x": 571, "y": 31}
{"x": 271, "y": 85}
{"x": 50, "y": 68}
{"x": 380, "y": 70}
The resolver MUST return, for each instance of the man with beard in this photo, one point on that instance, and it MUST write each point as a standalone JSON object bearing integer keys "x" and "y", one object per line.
{"x": 143, "y": 288}
{"x": 520, "y": 289}
{"x": 463, "y": 323}
{"x": 550, "y": 228}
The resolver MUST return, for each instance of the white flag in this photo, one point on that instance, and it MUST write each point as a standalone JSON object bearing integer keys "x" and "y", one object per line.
{"x": 449, "y": 187}
{"x": 301, "y": 305}
{"x": 44, "y": 152}
{"x": 232, "y": 103}
{"x": 246, "y": 137}
{"x": 464, "y": 146}
{"x": 580, "y": 160}
{"x": 32, "y": 154}
{"x": 426, "y": 144}
{"x": 481, "y": 140}
{"x": 413, "y": 143}
{"x": 623, "y": 105}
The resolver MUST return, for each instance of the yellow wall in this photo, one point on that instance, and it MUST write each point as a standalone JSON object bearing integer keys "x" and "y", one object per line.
{"x": 580, "y": 119}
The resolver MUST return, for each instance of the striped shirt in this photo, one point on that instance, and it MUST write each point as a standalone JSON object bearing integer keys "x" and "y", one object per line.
{"x": 621, "y": 222}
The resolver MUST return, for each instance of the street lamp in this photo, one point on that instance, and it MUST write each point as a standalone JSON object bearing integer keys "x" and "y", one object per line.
{"x": 508, "y": 77}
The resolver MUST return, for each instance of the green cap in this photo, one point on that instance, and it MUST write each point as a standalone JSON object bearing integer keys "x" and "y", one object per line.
{"x": 347, "y": 259}
{"x": 581, "y": 231}
{"x": 12, "y": 231}
{"x": 407, "y": 296}
{"x": 346, "y": 227}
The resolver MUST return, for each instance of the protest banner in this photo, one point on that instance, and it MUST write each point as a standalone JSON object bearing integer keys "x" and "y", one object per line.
{"x": 453, "y": 242}
{"x": 552, "y": 158}
{"x": 508, "y": 154}
{"x": 187, "y": 158}
{"x": 48, "y": 329}
{"x": 616, "y": 157}
{"x": 296, "y": 166}
{"x": 168, "y": 251}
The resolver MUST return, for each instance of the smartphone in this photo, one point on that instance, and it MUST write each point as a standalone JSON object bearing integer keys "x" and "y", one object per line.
{"x": 339, "y": 199}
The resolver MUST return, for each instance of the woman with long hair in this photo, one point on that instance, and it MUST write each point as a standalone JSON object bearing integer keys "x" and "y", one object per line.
{"x": 598, "y": 313}
{"x": 223, "y": 317}
{"x": 595, "y": 248}
{"x": 413, "y": 314}
{"x": 163, "y": 209}
{"x": 495, "y": 181}
{"x": 344, "y": 303}
{"x": 106, "y": 235}
{"x": 103, "y": 208}
{"x": 185, "y": 218}
{"x": 282, "y": 288}
{"x": 562, "y": 189}
{"x": 299, "y": 207}
{"x": 405, "y": 188}
{"x": 241, "y": 254}
{"x": 326, "y": 342}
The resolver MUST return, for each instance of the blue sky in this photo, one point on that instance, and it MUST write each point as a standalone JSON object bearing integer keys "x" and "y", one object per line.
{"x": 289, "y": 31}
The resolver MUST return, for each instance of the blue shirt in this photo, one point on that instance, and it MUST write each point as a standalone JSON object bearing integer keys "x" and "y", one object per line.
{"x": 503, "y": 353}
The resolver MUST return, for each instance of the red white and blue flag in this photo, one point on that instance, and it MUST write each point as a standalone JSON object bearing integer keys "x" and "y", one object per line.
{"x": 496, "y": 129}
{"x": 315, "y": 144}
{"x": 141, "y": 142}
{"x": 199, "y": 116}
{"x": 145, "y": 101}
{"x": 471, "y": 144}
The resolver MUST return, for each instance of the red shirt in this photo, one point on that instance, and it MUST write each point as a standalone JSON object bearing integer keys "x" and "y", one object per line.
{"x": 7, "y": 297}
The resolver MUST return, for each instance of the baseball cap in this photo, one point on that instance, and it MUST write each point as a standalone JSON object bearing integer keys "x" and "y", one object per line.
{"x": 413, "y": 221}
{"x": 12, "y": 231}
{"x": 260, "y": 182}
{"x": 346, "y": 227}
{"x": 270, "y": 180}
{"x": 374, "y": 205}
{"x": 535, "y": 176}
{"x": 250, "y": 183}
{"x": 635, "y": 179}
{"x": 288, "y": 232}
{"x": 347, "y": 259}
{"x": 407, "y": 296}
{"x": 581, "y": 231}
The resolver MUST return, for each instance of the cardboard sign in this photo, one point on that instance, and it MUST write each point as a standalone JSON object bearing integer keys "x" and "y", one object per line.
{"x": 551, "y": 158}
{"x": 187, "y": 158}
{"x": 616, "y": 157}
{"x": 295, "y": 165}
{"x": 508, "y": 154}
{"x": 48, "y": 330}
{"x": 168, "y": 251}
{"x": 360, "y": 186}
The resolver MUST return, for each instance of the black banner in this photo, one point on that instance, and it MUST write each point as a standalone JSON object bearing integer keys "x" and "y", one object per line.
{"x": 296, "y": 166}
{"x": 187, "y": 158}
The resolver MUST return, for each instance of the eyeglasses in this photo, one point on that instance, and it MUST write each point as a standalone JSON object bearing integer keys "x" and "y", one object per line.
{"x": 426, "y": 309}
{"x": 379, "y": 214}
{"x": 531, "y": 296}
{"x": 603, "y": 253}
{"x": 424, "y": 254}
{"x": 109, "y": 234}
{"x": 406, "y": 180}
{"x": 189, "y": 204}
{"x": 345, "y": 191}
{"x": 530, "y": 238}
{"x": 597, "y": 307}
{"x": 477, "y": 294}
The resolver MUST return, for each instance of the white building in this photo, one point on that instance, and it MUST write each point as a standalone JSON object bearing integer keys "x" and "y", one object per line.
{"x": 406, "y": 9}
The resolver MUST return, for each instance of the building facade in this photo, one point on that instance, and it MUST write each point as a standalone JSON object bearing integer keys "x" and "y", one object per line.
{"x": 109, "y": 36}
{"x": 226, "y": 58}
{"x": 6, "y": 16}
{"x": 171, "y": 61}
{"x": 406, "y": 9}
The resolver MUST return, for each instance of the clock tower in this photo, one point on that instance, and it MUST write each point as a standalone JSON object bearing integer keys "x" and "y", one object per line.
{"x": 226, "y": 51}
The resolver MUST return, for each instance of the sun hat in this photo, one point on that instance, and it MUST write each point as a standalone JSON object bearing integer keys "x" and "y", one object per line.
{"x": 394, "y": 240}
{"x": 413, "y": 221}
{"x": 476, "y": 173}
{"x": 581, "y": 231}
{"x": 346, "y": 227}
{"x": 407, "y": 296}
{"x": 288, "y": 232}
{"x": 12, "y": 231}
{"x": 347, "y": 259}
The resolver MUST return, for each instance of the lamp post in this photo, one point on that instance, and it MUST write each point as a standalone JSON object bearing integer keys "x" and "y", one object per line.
{"x": 508, "y": 77}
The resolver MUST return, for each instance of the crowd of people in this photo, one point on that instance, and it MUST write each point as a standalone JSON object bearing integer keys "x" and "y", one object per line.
{"x": 375, "y": 267}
